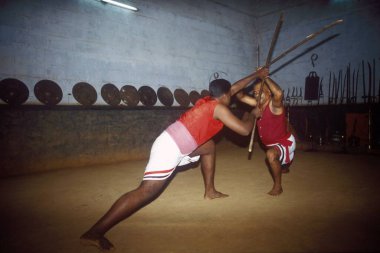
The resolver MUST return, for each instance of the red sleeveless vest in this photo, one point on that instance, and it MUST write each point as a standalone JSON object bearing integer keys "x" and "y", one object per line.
{"x": 199, "y": 120}
{"x": 272, "y": 128}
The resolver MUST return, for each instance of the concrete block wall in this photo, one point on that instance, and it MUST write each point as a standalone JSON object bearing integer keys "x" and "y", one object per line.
{"x": 178, "y": 44}
{"x": 36, "y": 139}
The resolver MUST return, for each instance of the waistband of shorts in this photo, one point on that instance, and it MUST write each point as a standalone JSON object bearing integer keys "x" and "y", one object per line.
{"x": 283, "y": 141}
{"x": 185, "y": 141}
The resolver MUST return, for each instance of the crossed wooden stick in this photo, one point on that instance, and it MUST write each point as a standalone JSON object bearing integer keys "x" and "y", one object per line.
{"x": 269, "y": 62}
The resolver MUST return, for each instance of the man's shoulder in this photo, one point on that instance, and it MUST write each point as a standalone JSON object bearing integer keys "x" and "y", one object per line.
{"x": 276, "y": 110}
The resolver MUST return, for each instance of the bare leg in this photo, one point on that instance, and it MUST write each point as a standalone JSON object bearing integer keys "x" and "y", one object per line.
{"x": 125, "y": 206}
{"x": 207, "y": 153}
{"x": 275, "y": 167}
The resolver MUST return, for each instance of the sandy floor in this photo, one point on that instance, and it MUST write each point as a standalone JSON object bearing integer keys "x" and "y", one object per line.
{"x": 331, "y": 203}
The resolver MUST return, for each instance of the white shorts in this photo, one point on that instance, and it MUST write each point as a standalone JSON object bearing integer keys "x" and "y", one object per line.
{"x": 165, "y": 156}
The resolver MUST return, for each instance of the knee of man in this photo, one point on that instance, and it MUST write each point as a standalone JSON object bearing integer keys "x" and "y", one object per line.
{"x": 209, "y": 147}
{"x": 151, "y": 188}
{"x": 272, "y": 154}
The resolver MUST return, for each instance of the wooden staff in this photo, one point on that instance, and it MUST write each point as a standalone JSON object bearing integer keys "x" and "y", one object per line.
{"x": 307, "y": 38}
{"x": 254, "y": 121}
{"x": 270, "y": 62}
{"x": 274, "y": 39}
{"x": 363, "y": 75}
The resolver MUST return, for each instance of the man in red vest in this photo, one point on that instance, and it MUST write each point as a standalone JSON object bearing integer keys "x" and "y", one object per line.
{"x": 186, "y": 140}
{"x": 273, "y": 129}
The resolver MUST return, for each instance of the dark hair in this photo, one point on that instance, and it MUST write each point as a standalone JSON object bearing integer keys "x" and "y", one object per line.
{"x": 219, "y": 87}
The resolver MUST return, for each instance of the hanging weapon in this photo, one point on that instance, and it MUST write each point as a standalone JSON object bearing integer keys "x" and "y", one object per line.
{"x": 320, "y": 92}
{"x": 287, "y": 99}
{"x": 348, "y": 89}
{"x": 369, "y": 83}
{"x": 294, "y": 96}
{"x": 356, "y": 84}
{"x": 352, "y": 98}
{"x": 267, "y": 63}
{"x": 374, "y": 82}
{"x": 343, "y": 88}
{"x": 333, "y": 89}
{"x": 338, "y": 86}
{"x": 364, "y": 93}
{"x": 330, "y": 97}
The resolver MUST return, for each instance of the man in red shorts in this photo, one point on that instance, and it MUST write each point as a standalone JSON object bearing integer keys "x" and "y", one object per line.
{"x": 273, "y": 129}
{"x": 187, "y": 140}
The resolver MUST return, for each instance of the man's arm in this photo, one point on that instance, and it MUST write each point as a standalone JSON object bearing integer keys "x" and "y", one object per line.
{"x": 242, "y": 127}
{"x": 246, "y": 99}
{"x": 277, "y": 96}
{"x": 242, "y": 83}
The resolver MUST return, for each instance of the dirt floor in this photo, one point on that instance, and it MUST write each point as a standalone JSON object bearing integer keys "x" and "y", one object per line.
{"x": 331, "y": 203}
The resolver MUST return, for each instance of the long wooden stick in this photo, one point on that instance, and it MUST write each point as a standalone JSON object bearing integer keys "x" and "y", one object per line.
{"x": 307, "y": 38}
{"x": 254, "y": 121}
{"x": 269, "y": 56}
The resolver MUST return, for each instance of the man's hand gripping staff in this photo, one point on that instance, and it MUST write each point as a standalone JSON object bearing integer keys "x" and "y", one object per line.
{"x": 270, "y": 62}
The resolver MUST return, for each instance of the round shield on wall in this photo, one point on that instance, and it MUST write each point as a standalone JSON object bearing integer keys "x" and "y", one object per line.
{"x": 13, "y": 91}
{"x": 194, "y": 96}
{"x": 205, "y": 93}
{"x": 165, "y": 96}
{"x": 147, "y": 95}
{"x": 48, "y": 92}
{"x": 129, "y": 95}
{"x": 84, "y": 93}
{"x": 182, "y": 97}
{"x": 111, "y": 94}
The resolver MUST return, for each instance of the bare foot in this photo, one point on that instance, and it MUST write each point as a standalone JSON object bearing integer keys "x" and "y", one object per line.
{"x": 215, "y": 195}
{"x": 98, "y": 241}
{"x": 275, "y": 191}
